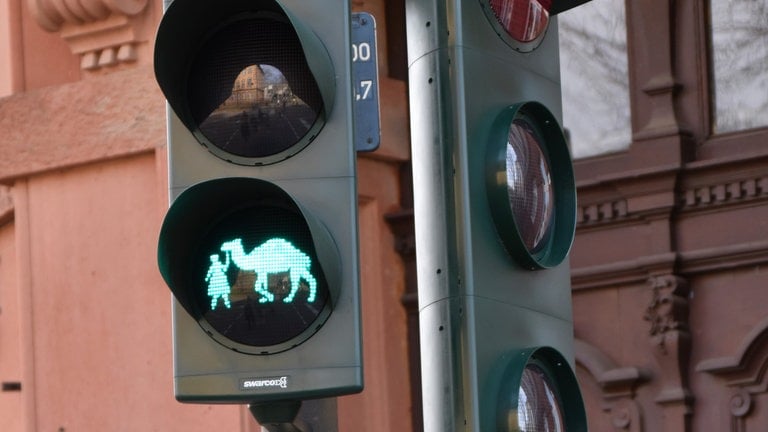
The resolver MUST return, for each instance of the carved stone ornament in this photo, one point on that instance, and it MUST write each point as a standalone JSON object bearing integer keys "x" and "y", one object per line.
{"x": 668, "y": 310}
{"x": 670, "y": 336}
{"x": 740, "y": 403}
{"x": 744, "y": 373}
{"x": 617, "y": 384}
{"x": 102, "y": 32}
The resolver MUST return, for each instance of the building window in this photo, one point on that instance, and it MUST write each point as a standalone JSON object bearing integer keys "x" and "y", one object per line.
{"x": 595, "y": 81}
{"x": 739, "y": 43}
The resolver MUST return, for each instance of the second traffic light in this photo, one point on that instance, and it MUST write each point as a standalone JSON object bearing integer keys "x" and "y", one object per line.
{"x": 259, "y": 246}
{"x": 495, "y": 214}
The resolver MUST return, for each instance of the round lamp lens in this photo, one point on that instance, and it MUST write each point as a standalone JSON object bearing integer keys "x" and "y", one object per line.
{"x": 538, "y": 409}
{"x": 523, "y": 20}
{"x": 529, "y": 186}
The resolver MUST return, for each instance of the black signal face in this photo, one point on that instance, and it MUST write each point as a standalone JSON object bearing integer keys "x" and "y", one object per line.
{"x": 256, "y": 281}
{"x": 251, "y": 93}
{"x": 243, "y": 261}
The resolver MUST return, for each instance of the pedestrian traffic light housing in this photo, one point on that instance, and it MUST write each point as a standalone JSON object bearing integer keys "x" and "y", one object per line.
{"x": 259, "y": 246}
{"x": 495, "y": 211}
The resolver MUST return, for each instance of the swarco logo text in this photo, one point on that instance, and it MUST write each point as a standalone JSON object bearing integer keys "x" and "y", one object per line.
{"x": 261, "y": 383}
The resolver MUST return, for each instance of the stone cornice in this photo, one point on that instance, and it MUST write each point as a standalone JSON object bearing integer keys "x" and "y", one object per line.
{"x": 706, "y": 197}
{"x": 102, "y": 32}
{"x": 695, "y": 192}
{"x": 53, "y": 14}
{"x": 702, "y": 186}
{"x": 105, "y": 117}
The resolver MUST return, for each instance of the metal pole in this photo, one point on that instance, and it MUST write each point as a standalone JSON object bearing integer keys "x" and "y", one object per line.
{"x": 317, "y": 415}
{"x": 432, "y": 152}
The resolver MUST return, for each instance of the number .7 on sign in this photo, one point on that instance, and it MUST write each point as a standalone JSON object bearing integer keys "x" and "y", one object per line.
{"x": 366, "y": 81}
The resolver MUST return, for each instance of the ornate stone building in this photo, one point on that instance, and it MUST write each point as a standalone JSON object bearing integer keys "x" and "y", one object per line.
{"x": 668, "y": 267}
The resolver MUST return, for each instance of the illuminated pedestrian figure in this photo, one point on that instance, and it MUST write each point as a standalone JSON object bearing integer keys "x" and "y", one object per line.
{"x": 218, "y": 284}
{"x": 273, "y": 256}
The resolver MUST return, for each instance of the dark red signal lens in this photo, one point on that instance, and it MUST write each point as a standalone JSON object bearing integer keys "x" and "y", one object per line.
{"x": 523, "y": 20}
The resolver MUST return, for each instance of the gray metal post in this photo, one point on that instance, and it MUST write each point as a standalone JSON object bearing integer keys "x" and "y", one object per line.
{"x": 317, "y": 415}
{"x": 432, "y": 157}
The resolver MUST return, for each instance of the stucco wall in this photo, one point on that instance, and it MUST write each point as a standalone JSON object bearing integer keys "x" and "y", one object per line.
{"x": 98, "y": 315}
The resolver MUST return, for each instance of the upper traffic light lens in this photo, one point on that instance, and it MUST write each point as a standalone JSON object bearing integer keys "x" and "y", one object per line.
{"x": 524, "y": 20}
{"x": 251, "y": 93}
{"x": 529, "y": 185}
{"x": 521, "y": 23}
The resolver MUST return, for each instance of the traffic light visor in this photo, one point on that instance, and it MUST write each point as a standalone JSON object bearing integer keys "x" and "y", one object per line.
{"x": 530, "y": 186}
{"x": 243, "y": 78}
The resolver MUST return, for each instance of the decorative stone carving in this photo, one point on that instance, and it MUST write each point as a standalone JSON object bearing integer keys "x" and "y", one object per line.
{"x": 668, "y": 310}
{"x": 102, "y": 32}
{"x": 617, "y": 384}
{"x": 668, "y": 315}
{"x": 741, "y": 403}
{"x": 625, "y": 416}
{"x": 744, "y": 372}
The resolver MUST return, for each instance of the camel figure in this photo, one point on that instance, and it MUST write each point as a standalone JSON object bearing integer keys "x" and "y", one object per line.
{"x": 273, "y": 256}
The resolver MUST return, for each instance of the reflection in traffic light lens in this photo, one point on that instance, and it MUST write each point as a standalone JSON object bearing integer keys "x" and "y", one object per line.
{"x": 529, "y": 186}
{"x": 523, "y": 20}
{"x": 251, "y": 92}
{"x": 538, "y": 408}
{"x": 258, "y": 279}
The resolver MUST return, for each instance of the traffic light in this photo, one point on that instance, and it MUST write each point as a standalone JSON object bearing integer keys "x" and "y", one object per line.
{"x": 495, "y": 211}
{"x": 259, "y": 246}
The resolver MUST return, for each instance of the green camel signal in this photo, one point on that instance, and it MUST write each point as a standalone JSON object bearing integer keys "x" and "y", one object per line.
{"x": 276, "y": 255}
